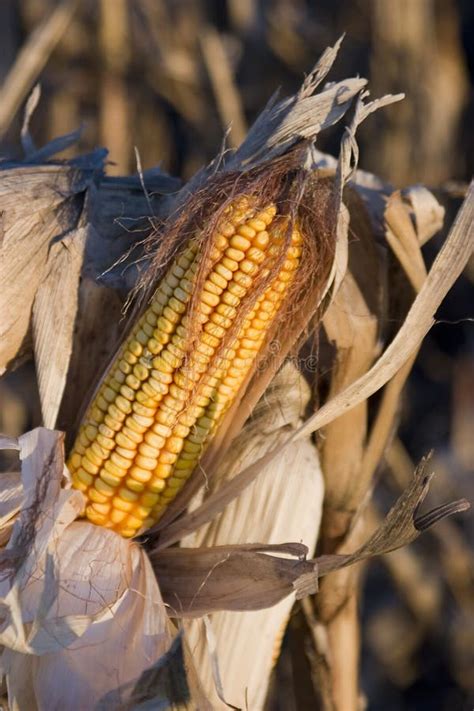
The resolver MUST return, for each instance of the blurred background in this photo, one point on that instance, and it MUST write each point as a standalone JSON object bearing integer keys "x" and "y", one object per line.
{"x": 168, "y": 77}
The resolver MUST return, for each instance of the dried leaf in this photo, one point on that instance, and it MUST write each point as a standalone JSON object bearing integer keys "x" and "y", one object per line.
{"x": 38, "y": 205}
{"x": 427, "y": 213}
{"x": 401, "y": 525}
{"x": 81, "y": 610}
{"x": 54, "y": 315}
{"x": 199, "y": 581}
{"x": 283, "y": 503}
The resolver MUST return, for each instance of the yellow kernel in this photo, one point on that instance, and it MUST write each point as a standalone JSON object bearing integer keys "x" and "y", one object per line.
{"x": 113, "y": 469}
{"x": 247, "y": 231}
{"x": 143, "y": 411}
{"x": 90, "y": 466}
{"x": 167, "y": 457}
{"x": 109, "y": 394}
{"x": 213, "y": 288}
{"x": 279, "y": 287}
{"x": 84, "y": 477}
{"x": 112, "y": 423}
{"x": 256, "y": 224}
{"x": 172, "y": 361}
{"x": 109, "y": 478}
{"x": 117, "y": 516}
{"x": 261, "y": 240}
{"x": 161, "y": 429}
{"x": 141, "y": 421}
{"x": 78, "y": 484}
{"x": 128, "y": 454}
{"x": 103, "y": 487}
{"x": 165, "y": 325}
{"x": 170, "y": 406}
{"x": 230, "y": 299}
{"x": 134, "y": 522}
{"x": 236, "y": 289}
{"x": 146, "y": 462}
{"x": 105, "y": 442}
{"x": 209, "y": 299}
{"x": 128, "y": 532}
{"x": 134, "y": 485}
{"x": 142, "y": 337}
{"x": 121, "y": 462}
{"x": 153, "y": 346}
{"x": 146, "y": 400}
{"x": 131, "y": 434}
{"x": 230, "y": 264}
{"x": 153, "y": 442}
{"x": 227, "y": 229}
{"x": 239, "y": 242}
{"x": 147, "y": 451}
{"x": 192, "y": 447}
{"x": 90, "y": 432}
{"x": 234, "y": 254}
{"x": 96, "y": 496}
{"x": 135, "y": 347}
{"x": 153, "y": 390}
{"x": 115, "y": 413}
{"x": 149, "y": 499}
{"x": 221, "y": 320}
{"x": 247, "y": 267}
{"x": 218, "y": 280}
{"x": 165, "y": 418}
{"x": 127, "y": 495}
{"x": 123, "y": 404}
{"x": 139, "y": 474}
{"x": 181, "y": 431}
{"x": 106, "y": 431}
{"x": 163, "y": 470}
{"x": 96, "y": 414}
{"x": 156, "y": 485}
{"x": 94, "y": 516}
{"x": 170, "y": 316}
{"x": 101, "y": 403}
{"x": 221, "y": 275}
{"x": 124, "y": 366}
{"x": 122, "y": 505}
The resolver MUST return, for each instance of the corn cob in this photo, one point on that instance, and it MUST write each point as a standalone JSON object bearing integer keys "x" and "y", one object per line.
{"x": 159, "y": 405}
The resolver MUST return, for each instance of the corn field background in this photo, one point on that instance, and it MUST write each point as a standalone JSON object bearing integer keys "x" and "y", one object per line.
{"x": 166, "y": 78}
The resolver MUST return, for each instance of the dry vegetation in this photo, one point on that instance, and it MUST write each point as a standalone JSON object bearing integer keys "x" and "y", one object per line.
{"x": 366, "y": 403}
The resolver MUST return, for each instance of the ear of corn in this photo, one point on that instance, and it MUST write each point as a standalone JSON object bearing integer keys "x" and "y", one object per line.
{"x": 160, "y": 403}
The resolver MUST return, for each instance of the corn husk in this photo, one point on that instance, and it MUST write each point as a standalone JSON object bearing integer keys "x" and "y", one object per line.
{"x": 283, "y": 503}
{"x": 81, "y": 612}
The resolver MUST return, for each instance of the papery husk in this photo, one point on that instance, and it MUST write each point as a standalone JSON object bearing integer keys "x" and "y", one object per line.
{"x": 284, "y": 503}
{"x": 82, "y": 615}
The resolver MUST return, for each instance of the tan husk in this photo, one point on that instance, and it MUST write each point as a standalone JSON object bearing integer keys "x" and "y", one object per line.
{"x": 284, "y": 503}
{"x": 82, "y": 615}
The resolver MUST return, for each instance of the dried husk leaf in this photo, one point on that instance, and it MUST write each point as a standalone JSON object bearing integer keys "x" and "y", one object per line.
{"x": 82, "y": 614}
{"x": 283, "y": 503}
{"x": 237, "y": 577}
{"x": 38, "y": 204}
{"x": 54, "y": 315}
